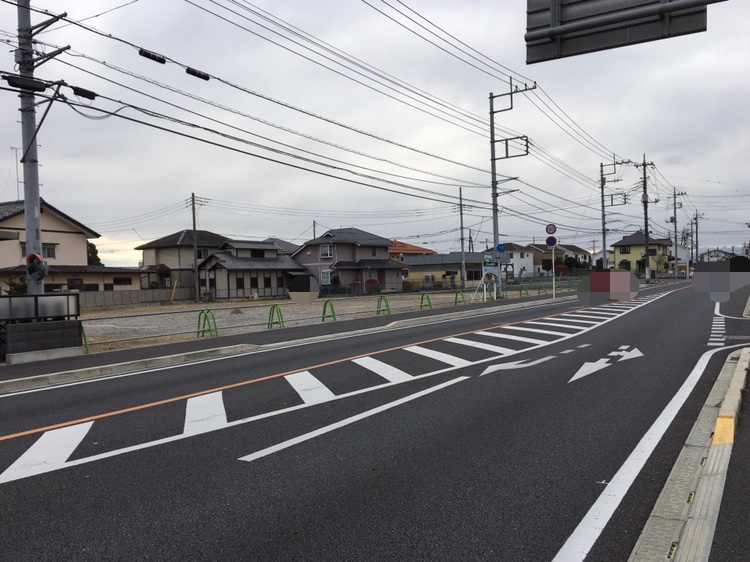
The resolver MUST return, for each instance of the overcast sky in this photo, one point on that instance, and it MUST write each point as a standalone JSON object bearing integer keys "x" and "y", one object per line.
{"x": 372, "y": 114}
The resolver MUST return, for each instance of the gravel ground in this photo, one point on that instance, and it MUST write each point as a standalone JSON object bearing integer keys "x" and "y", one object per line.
{"x": 113, "y": 329}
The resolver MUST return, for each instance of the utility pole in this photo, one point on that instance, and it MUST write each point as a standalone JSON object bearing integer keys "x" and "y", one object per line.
{"x": 26, "y": 65}
{"x": 463, "y": 252}
{"x": 493, "y": 163}
{"x": 196, "y": 281}
{"x": 674, "y": 220}
{"x": 647, "y": 257}
{"x": 697, "y": 244}
{"x": 603, "y": 182}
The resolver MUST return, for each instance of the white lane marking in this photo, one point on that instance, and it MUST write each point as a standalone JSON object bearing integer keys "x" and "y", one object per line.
{"x": 482, "y": 345}
{"x": 48, "y": 453}
{"x": 512, "y": 337}
{"x": 567, "y": 319}
{"x": 585, "y": 535}
{"x": 205, "y": 413}
{"x": 538, "y": 331}
{"x": 391, "y": 374}
{"x": 555, "y": 325}
{"x": 592, "y": 315}
{"x": 343, "y": 423}
{"x": 310, "y": 389}
{"x": 439, "y": 356}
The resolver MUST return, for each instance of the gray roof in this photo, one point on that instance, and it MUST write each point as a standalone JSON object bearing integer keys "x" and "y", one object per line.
{"x": 284, "y": 246}
{"x": 184, "y": 238}
{"x": 249, "y": 245}
{"x": 451, "y": 258}
{"x": 639, "y": 239}
{"x": 350, "y": 236}
{"x": 230, "y": 262}
{"x": 10, "y": 209}
{"x": 367, "y": 264}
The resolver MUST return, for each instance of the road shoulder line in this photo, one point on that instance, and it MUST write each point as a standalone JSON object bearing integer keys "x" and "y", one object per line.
{"x": 682, "y": 523}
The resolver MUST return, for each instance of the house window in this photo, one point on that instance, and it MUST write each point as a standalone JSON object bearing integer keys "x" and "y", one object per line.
{"x": 473, "y": 275}
{"x": 624, "y": 249}
{"x": 107, "y": 287}
{"x": 371, "y": 274}
{"x": 253, "y": 282}
{"x": 325, "y": 277}
{"x": 257, "y": 253}
{"x": 240, "y": 283}
{"x": 74, "y": 282}
{"x": 48, "y": 251}
{"x": 523, "y": 255}
{"x": 326, "y": 250}
{"x": 374, "y": 252}
{"x": 122, "y": 280}
{"x": 510, "y": 255}
{"x": 267, "y": 282}
{"x": 202, "y": 253}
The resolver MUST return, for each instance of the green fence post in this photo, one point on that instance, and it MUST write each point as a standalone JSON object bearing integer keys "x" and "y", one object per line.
{"x": 503, "y": 292}
{"x": 207, "y": 323}
{"x": 421, "y": 301}
{"x": 85, "y": 339}
{"x": 541, "y": 288}
{"x": 381, "y": 301}
{"x": 455, "y": 299}
{"x": 558, "y": 288}
{"x": 326, "y": 305}
{"x": 275, "y": 312}
{"x": 521, "y": 290}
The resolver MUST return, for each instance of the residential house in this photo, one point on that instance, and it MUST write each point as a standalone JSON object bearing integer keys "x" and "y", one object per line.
{"x": 599, "y": 257}
{"x": 443, "y": 271}
{"x": 714, "y": 255}
{"x": 64, "y": 248}
{"x": 247, "y": 269}
{"x": 350, "y": 257}
{"x": 520, "y": 260}
{"x": 401, "y": 250}
{"x": 579, "y": 254}
{"x": 170, "y": 261}
{"x": 630, "y": 253}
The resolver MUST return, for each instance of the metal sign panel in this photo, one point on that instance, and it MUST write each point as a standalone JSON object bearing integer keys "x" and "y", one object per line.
{"x": 563, "y": 28}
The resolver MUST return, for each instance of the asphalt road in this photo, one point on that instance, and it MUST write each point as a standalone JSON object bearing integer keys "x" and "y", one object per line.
{"x": 491, "y": 437}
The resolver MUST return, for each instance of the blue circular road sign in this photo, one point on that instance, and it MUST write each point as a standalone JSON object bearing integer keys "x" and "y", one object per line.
{"x": 551, "y": 241}
{"x": 501, "y": 248}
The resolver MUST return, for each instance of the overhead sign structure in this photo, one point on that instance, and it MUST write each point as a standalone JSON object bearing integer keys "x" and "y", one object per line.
{"x": 563, "y": 28}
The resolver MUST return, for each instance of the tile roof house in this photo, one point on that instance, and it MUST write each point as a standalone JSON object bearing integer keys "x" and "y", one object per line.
{"x": 64, "y": 248}
{"x": 247, "y": 269}
{"x": 350, "y": 257}
{"x": 630, "y": 253}
{"x": 170, "y": 260}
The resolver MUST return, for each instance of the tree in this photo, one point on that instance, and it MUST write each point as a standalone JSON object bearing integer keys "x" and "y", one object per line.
{"x": 17, "y": 287}
{"x": 92, "y": 254}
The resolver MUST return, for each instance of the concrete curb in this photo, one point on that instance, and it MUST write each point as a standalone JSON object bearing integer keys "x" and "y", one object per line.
{"x": 103, "y": 371}
{"x": 682, "y": 524}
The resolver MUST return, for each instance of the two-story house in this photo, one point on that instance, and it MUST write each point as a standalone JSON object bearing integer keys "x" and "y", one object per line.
{"x": 64, "y": 248}
{"x": 171, "y": 259}
{"x": 247, "y": 269}
{"x": 350, "y": 257}
{"x": 630, "y": 253}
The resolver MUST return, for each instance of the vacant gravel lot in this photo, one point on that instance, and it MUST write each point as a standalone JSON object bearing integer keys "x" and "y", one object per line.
{"x": 119, "y": 328}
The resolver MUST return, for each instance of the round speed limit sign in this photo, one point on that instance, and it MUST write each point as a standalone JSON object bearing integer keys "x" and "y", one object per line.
{"x": 550, "y": 229}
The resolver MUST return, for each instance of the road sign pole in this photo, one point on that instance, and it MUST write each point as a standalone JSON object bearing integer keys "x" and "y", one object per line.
{"x": 553, "y": 272}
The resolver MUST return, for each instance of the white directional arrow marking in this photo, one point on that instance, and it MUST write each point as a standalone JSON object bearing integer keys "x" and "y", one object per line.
{"x": 515, "y": 365}
{"x": 588, "y": 368}
{"x": 625, "y": 354}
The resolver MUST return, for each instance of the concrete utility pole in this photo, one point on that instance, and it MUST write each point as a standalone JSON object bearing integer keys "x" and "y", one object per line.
{"x": 463, "y": 252}
{"x": 26, "y": 64}
{"x": 647, "y": 257}
{"x": 605, "y": 257}
{"x": 196, "y": 281}
{"x": 674, "y": 219}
